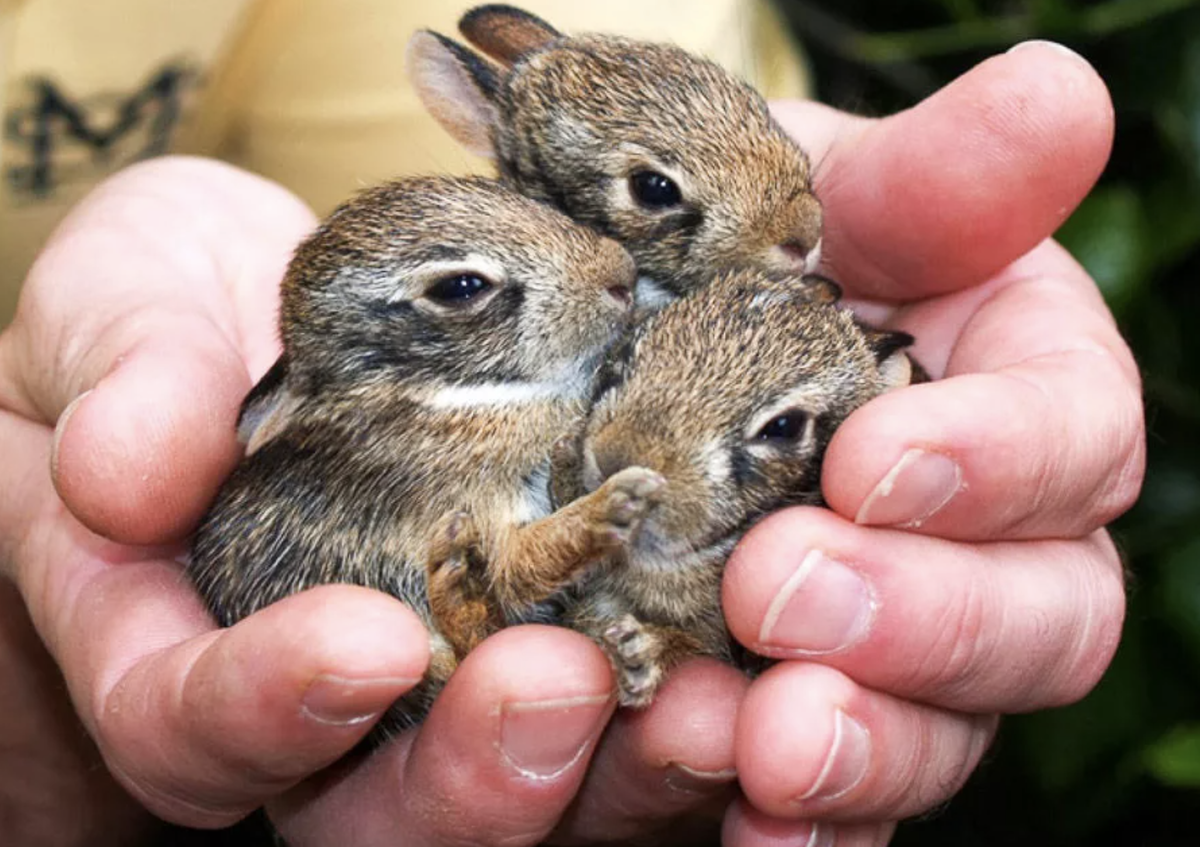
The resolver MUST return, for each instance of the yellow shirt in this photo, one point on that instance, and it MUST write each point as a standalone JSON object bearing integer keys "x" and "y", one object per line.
{"x": 311, "y": 93}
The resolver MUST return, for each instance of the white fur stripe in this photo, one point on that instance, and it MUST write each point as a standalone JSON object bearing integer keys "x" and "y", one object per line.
{"x": 492, "y": 394}
{"x": 813, "y": 260}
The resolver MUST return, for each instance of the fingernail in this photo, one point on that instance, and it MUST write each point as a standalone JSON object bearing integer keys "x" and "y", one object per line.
{"x": 1052, "y": 45}
{"x": 914, "y": 490}
{"x": 339, "y": 701}
{"x": 821, "y": 836}
{"x": 60, "y": 426}
{"x": 541, "y": 739}
{"x": 823, "y": 607}
{"x": 694, "y": 781}
{"x": 846, "y": 764}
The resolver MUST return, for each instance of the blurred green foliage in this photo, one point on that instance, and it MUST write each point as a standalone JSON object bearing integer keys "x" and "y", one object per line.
{"x": 1122, "y": 766}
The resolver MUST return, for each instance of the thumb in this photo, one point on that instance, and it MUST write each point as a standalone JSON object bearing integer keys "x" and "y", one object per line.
{"x": 942, "y": 196}
{"x": 138, "y": 333}
{"x": 138, "y": 457}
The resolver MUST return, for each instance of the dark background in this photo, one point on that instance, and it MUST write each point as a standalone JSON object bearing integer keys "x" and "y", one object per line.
{"x": 1123, "y": 766}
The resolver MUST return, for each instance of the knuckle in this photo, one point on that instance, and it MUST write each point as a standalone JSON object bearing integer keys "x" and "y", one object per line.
{"x": 1092, "y": 463}
{"x": 1041, "y": 470}
{"x": 1127, "y": 471}
{"x": 935, "y": 758}
{"x": 901, "y": 789}
{"x": 1118, "y": 451}
{"x": 1092, "y": 640}
{"x": 962, "y": 648}
{"x": 1045, "y": 480}
{"x": 980, "y": 731}
{"x": 176, "y": 803}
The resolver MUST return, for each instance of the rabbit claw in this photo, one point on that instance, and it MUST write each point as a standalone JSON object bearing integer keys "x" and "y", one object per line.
{"x": 634, "y": 650}
{"x": 456, "y": 560}
{"x": 457, "y": 584}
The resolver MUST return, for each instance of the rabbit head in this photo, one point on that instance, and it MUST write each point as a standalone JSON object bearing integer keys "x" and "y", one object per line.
{"x": 435, "y": 281}
{"x": 664, "y": 151}
{"x": 732, "y": 395}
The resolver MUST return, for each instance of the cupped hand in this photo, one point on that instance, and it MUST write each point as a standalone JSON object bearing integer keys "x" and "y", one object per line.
{"x": 979, "y": 581}
{"x": 137, "y": 334}
{"x": 964, "y": 570}
{"x": 141, "y": 327}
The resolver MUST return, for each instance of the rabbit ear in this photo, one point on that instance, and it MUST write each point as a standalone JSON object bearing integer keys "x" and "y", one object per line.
{"x": 267, "y": 409}
{"x": 822, "y": 289}
{"x": 505, "y": 33}
{"x": 457, "y": 86}
{"x": 895, "y": 368}
{"x": 814, "y": 288}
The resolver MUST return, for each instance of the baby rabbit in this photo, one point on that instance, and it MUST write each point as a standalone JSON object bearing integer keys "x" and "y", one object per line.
{"x": 730, "y": 396}
{"x": 439, "y": 334}
{"x": 666, "y": 152}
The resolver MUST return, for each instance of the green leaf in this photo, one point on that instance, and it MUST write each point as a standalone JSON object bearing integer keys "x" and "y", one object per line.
{"x": 1180, "y": 593}
{"x": 1179, "y": 116}
{"x": 1050, "y": 15}
{"x": 1172, "y": 215}
{"x": 1175, "y": 759}
{"x": 1106, "y": 235}
{"x": 1117, "y": 15}
{"x": 1168, "y": 509}
{"x": 1069, "y": 746}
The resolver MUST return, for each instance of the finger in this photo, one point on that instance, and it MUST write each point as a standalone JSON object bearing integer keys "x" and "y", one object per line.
{"x": 139, "y": 456}
{"x": 200, "y": 725}
{"x": 1036, "y": 432}
{"x": 668, "y": 768}
{"x": 207, "y": 730}
{"x": 811, "y": 744}
{"x": 499, "y": 758}
{"x": 745, "y": 826}
{"x": 943, "y": 195}
{"x": 27, "y": 456}
{"x": 1002, "y": 627}
{"x": 940, "y": 324}
{"x": 110, "y": 306}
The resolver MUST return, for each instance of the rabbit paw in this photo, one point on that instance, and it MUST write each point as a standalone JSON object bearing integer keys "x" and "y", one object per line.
{"x": 456, "y": 560}
{"x": 565, "y": 484}
{"x": 457, "y": 584}
{"x": 628, "y": 498}
{"x": 635, "y": 651}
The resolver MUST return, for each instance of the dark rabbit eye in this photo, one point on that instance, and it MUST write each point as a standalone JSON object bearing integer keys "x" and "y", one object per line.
{"x": 457, "y": 290}
{"x": 786, "y": 427}
{"x": 653, "y": 190}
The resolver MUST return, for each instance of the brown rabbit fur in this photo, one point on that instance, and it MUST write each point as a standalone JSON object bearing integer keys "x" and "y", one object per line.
{"x": 666, "y": 152}
{"x": 439, "y": 335}
{"x": 730, "y": 396}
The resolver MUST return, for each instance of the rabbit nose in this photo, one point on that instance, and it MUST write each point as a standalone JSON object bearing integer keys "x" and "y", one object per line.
{"x": 623, "y": 294}
{"x": 611, "y": 267}
{"x": 612, "y": 460}
{"x": 800, "y": 255}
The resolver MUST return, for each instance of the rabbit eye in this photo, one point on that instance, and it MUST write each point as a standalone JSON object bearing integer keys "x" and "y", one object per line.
{"x": 457, "y": 290}
{"x": 786, "y": 427}
{"x": 653, "y": 190}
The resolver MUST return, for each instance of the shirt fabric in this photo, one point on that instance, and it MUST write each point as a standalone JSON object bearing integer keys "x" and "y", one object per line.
{"x": 312, "y": 94}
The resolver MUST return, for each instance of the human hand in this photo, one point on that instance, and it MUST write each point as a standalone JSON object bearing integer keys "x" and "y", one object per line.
{"x": 137, "y": 336}
{"x": 964, "y": 570}
{"x": 1007, "y": 598}
{"x": 150, "y": 675}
